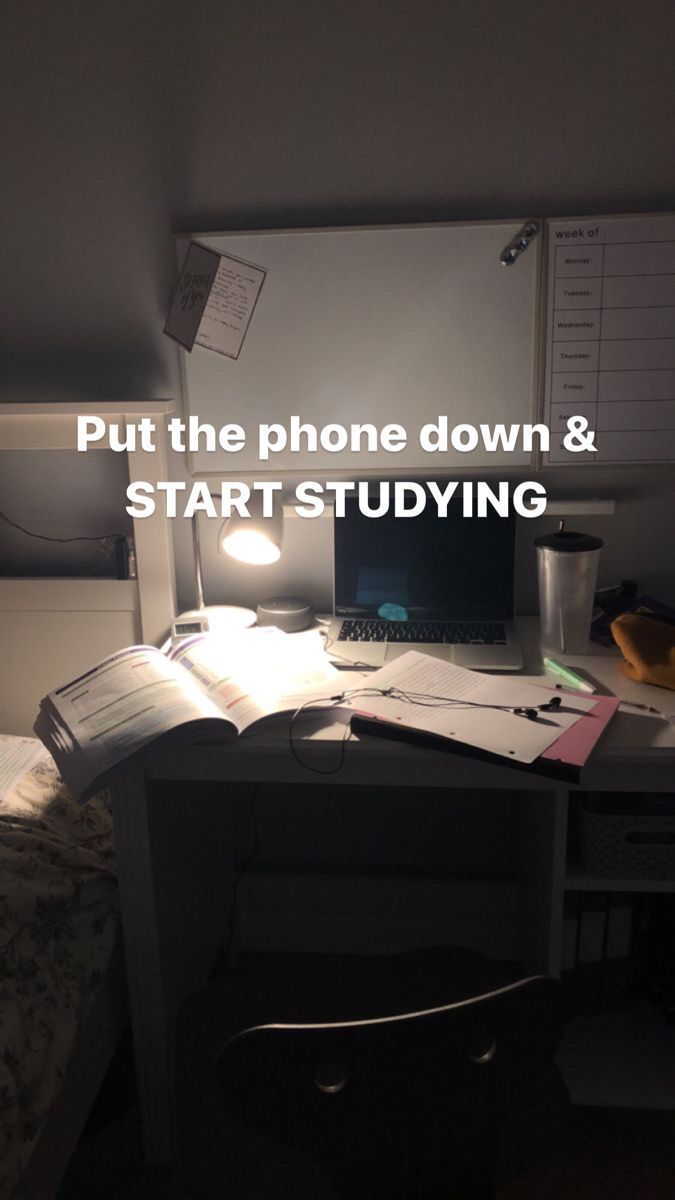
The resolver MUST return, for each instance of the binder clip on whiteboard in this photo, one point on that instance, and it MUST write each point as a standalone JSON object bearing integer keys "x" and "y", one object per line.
{"x": 519, "y": 243}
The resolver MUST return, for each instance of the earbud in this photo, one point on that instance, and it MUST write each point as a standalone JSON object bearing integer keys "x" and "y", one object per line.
{"x": 530, "y": 713}
{"x": 533, "y": 713}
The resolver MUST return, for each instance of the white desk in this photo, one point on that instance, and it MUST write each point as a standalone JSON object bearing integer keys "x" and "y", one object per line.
{"x": 171, "y": 889}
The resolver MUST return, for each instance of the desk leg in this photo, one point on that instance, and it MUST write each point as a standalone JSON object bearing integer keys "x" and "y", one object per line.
{"x": 543, "y": 844}
{"x": 151, "y": 1022}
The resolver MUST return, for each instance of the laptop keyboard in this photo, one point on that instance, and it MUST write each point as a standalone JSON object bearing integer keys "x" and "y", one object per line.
{"x": 364, "y": 629}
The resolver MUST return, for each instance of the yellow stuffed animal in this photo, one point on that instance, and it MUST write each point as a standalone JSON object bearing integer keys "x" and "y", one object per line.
{"x": 648, "y": 648}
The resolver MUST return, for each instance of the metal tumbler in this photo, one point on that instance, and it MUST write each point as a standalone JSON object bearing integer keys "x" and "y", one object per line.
{"x": 567, "y": 565}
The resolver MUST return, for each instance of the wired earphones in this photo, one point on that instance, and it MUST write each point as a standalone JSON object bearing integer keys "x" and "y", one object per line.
{"x": 427, "y": 700}
{"x": 423, "y": 699}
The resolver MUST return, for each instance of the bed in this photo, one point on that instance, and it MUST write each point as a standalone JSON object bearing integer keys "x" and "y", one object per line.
{"x": 63, "y": 1004}
{"x": 62, "y": 995}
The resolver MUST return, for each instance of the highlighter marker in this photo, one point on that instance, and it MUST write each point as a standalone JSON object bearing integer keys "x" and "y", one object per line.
{"x": 571, "y": 678}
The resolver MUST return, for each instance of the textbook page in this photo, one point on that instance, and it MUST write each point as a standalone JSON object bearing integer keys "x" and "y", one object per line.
{"x": 450, "y": 700}
{"x": 124, "y": 703}
{"x": 261, "y": 673}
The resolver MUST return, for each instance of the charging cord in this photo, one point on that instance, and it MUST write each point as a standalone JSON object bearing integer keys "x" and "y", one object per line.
{"x": 329, "y": 642}
{"x": 43, "y": 537}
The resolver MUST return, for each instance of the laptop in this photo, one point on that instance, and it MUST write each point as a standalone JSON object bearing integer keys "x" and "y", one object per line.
{"x": 441, "y": 585}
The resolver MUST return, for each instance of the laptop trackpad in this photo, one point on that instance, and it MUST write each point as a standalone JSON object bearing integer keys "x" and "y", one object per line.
{"x": 436, "y": 649}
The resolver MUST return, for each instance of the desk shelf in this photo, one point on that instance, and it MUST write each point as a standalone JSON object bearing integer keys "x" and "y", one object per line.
{"x": 54, "y": 629}
{"x": 66, "y": 594}
{"x": 577, "y": 881}
{"x": 623, "y": 1058}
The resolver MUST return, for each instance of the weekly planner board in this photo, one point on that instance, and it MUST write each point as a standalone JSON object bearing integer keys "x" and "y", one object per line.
{"x": 610, "y": 336}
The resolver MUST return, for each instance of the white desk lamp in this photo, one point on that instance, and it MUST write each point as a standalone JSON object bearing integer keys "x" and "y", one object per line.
{"x": 255, "y": 540}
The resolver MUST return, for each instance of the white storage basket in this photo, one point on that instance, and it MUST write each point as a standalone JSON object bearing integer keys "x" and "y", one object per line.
{"x": 630, "y": 836}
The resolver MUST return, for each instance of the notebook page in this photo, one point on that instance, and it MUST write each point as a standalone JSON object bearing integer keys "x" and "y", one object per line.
{"x": 459, "y": 717}
{"x": 18, "y": 755}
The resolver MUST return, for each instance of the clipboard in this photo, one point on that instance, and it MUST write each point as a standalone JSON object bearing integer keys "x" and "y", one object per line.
{"x": 574, "y": 747}
{"x": 564, "y": 760}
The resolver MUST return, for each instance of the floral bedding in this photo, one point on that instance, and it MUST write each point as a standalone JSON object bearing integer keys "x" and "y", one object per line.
{"x": 58, "y": 923}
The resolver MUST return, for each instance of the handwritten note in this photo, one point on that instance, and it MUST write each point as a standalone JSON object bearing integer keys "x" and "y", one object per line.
{"x": 192, "y": 293}
{"x": 214, "y": 301}
{"x": 230, "y": 306}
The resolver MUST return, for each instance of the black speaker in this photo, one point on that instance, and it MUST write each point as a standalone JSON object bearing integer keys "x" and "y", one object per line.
{"x": 290, "y": 613}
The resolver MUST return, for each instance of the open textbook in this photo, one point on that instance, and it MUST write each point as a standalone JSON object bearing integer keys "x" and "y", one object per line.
{"x": 139, "y": 699}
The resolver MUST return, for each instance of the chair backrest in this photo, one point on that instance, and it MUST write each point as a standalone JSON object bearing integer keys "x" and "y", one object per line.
{"x": 418, "y": 1096}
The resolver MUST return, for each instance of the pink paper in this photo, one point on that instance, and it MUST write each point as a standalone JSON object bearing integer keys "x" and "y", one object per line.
{"x": 574, "y": 746}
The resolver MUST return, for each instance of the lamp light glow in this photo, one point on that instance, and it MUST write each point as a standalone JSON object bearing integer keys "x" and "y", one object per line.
{"x": 251, "y": 546}
{"x": 254, "y": 539}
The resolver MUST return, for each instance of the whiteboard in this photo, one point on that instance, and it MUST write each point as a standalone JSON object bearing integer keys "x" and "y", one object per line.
{"x": 610, "y": 336}
{"x": 386, "y": 324}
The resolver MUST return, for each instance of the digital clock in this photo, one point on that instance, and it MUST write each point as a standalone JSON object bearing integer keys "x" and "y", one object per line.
{"x": 220, "y": 619}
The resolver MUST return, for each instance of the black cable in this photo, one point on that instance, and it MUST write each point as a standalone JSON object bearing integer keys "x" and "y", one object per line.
{"x": 333, "y": 701}
{"x": 42, "y": 537}
{"x": 357, "y": 665}
{"x": 419, "y": 699}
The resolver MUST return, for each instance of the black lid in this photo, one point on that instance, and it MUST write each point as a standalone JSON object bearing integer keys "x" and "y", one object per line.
{"x": 565, "y": 541}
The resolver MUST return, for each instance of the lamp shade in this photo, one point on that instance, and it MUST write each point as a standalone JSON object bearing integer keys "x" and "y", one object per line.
{"x": 254, "y": 539}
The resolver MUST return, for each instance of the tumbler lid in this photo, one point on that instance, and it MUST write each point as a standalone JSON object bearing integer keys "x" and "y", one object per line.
{"x": 565, "y": 541}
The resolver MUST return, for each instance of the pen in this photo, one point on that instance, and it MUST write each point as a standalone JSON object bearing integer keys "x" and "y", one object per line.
{"x": 570, "y": 676}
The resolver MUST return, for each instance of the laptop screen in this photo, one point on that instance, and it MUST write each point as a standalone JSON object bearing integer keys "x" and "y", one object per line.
{"x": 433, "y": 567}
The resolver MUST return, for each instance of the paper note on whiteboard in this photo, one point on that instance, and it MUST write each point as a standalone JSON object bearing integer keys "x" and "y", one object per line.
{"x": 214, "y": 301}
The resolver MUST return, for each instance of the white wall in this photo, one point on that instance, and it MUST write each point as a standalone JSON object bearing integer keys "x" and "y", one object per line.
{"x": 124, "y": 121}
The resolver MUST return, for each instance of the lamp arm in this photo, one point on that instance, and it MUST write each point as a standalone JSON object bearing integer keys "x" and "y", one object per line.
{"x": 197, "y": 560}
{"x": 197, "y": 557}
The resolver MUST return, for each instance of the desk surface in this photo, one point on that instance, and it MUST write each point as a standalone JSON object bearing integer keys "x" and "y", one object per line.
{"x": 637, "y": 751}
